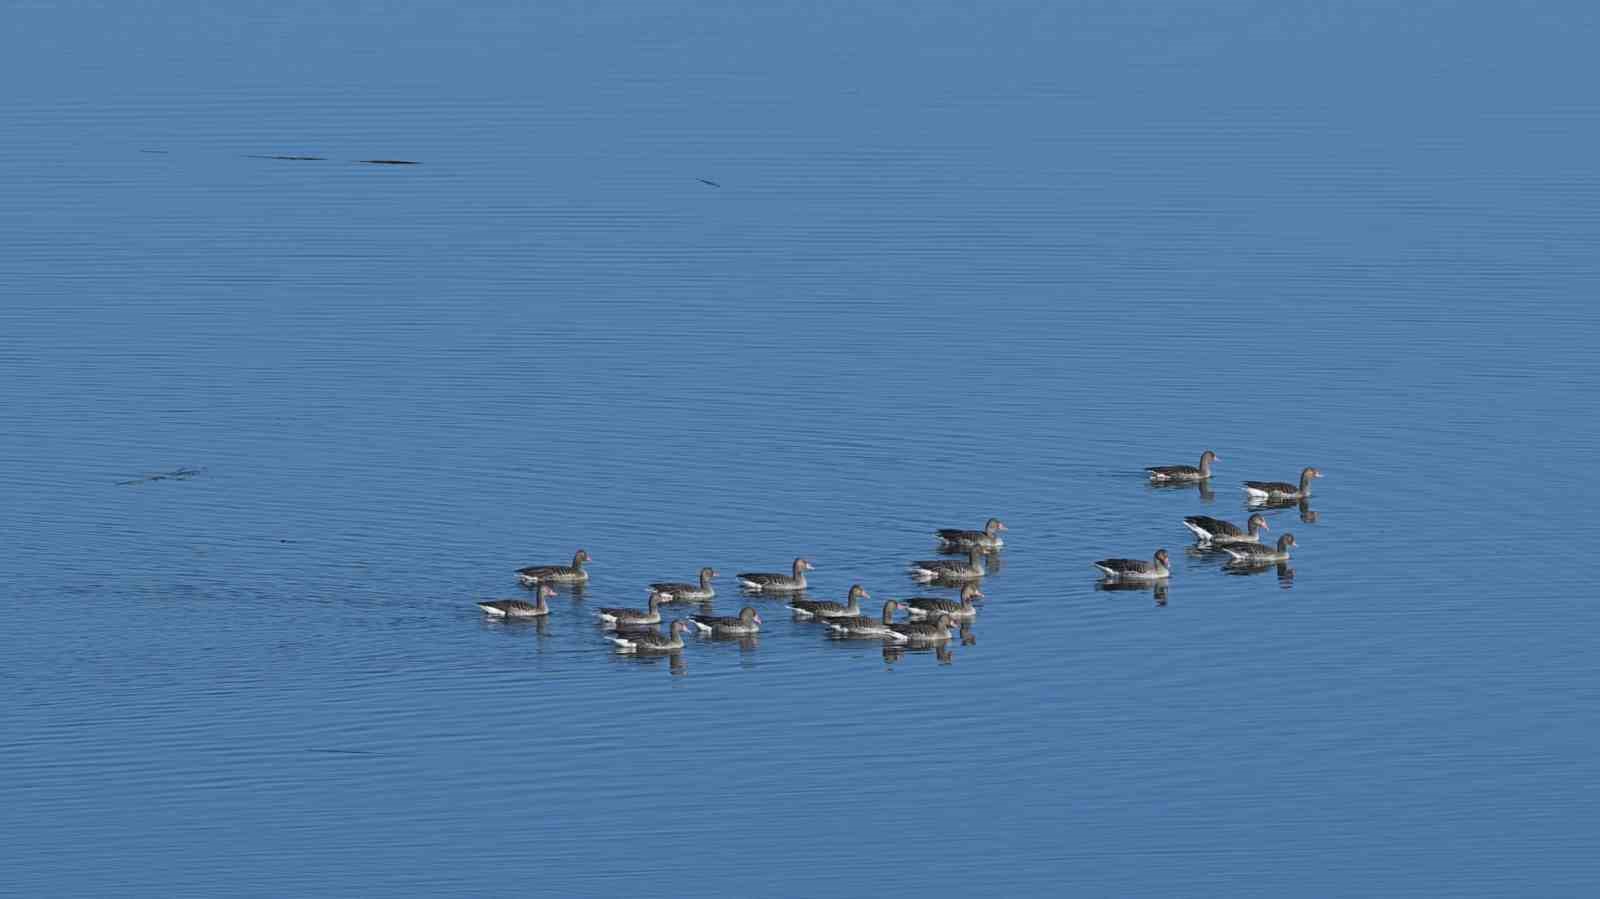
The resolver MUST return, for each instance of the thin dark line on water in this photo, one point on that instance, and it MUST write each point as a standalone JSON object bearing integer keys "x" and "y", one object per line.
{"x": 389, "y": 161}
{"x": 177, "y": 474}
{"x": 288, "y": 158}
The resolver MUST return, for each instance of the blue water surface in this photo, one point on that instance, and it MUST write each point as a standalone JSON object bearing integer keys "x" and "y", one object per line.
{"x": 957, "y": 260}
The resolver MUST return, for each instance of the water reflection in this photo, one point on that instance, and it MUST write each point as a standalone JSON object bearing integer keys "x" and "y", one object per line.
{"x": 1158, "y": 588}
{"x": 1282, "y": 569}
{"x": 674, "y": 660}
{"x": 1307, "y": 514}
{"x": 941, "y": 651}
{"x": 1203, "y": 488}
{"x": 514, "y": 626}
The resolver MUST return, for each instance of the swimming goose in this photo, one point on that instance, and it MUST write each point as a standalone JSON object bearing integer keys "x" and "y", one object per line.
{"x": 822, "y": 608}
{"x": 1216, "y": 532}
{"x": 748, "y": 621}
{"x": 652, "y": 640}
{"x": 1171, "y": 473}
{"x": 929, "y": 606}
{"x": 516, "y": 608}
{"x": 1278, "y": 491}
{"x": 950, "y": 569}
{"x": 689, "y": 592}
{"x": 988, "y": 538}
{"x": 1137, "y": 569}
{"x": 865, "y": 626}
{"x": 612, "y": 616}
{"x": 557, "y": 574}
{"x": 778, "y": 583}
{"x": 1256, "y": 554}
{"x": 922, "y": 631}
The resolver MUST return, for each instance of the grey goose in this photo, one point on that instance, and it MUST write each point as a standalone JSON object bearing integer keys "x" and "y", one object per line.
{"x": 864, "y": 625}
{"x": 923, "y": 630}
{"x": 557, "y": 574}
{"x": 950, "y": 569}
{"x": 1216, "y": 532}
{"x": 988, "y": 538}
{"x": 823, "y": 608}
{"x": 1256, "y": 554}
{"x": 777, "y": 583}
{"x": 1137, "y": 569}
{"x": 612, "y": 616}
{"x": 1278, "y": 491}
{"x": 690, "y": 592}
{"x": 1184, "y": 473}
{"x": 652, "y": 640}
{"x": 929, "y": 606}
{"x": 748, "y": 621}
{"x": 518, "y": 608}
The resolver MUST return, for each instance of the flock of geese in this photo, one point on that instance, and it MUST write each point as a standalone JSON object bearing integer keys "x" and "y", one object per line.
{"x": 930, "y": 619}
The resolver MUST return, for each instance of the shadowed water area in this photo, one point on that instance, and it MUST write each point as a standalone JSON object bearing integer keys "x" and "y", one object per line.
{"x": 725, "y": 285}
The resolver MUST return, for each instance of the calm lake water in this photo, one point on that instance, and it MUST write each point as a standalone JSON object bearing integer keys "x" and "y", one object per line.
{"x": 955, "y": 263}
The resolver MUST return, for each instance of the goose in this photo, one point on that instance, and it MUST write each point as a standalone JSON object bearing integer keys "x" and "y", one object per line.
{"x": 922, "y": 631}
{"x": 516, "y": 608}
{"x": 1137, "y": 569}
{"x": 988, "y": 538}
{"x": 1170, "y": 473}
{"x": 652, "y": 640}
{"x": 822, "y": 608}
{"x": 557, "y": 574}
{"x": 1217, "y": 532}
{"x": 1278, "y": 491}
{"x": 778, "y": 583}
{"x": 612, "y": 616}
{"x": 748, "y": 621}
{"x": 950, "y": 569}
{"x": 866, "y": 626}
{"x": 689, "y": 592}
{"x": 1256, "y": 554}
{"x": 929, "y": 606}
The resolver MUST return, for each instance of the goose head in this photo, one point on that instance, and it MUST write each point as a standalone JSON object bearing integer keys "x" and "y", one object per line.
{"x": 1257, "y": 523}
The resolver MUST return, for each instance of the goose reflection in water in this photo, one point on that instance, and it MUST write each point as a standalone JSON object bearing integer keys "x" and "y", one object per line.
{"x": 1158, "y": 588}
{"x": 674, "y": 660}
{"x": 1282, "y": 569}
{"x": 1203, "y": 488}
{"x": 1307, "y": 514}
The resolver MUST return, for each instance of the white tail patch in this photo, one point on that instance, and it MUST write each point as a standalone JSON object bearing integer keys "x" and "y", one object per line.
{"x": 750, "y": 585}
{"x": 1199, "y": 531}
{"x": 491, "y": 610}
{"x": 624, "y": 645}
{"x": 1256, "y": 493}
{"x": 804, "y": 613}
{"x": 1109, "y": 572}
{"x": 704, "y": 628}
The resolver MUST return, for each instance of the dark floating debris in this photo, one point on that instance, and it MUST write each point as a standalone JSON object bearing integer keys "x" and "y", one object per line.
{"x": 177, "y": 474}
{"x": 389, "y": 161}
{"x": 708, "y": 181}
{"x": 161, "y": 152}
{"x": 287, "y": 158}
{"x": 329, "y": 751}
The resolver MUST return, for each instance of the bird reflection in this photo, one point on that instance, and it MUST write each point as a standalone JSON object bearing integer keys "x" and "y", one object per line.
{"x": 1158, "y": 588}
{"x": 1303, "y": 505}
{"x": 675, "y": 663}
{"x": 515, "y": 626}
{"x": 993, "y": 561}
{"x": 1207, "y": 495}
{"x": 1282, "y": 569}
{"x": 894, "y": 652}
